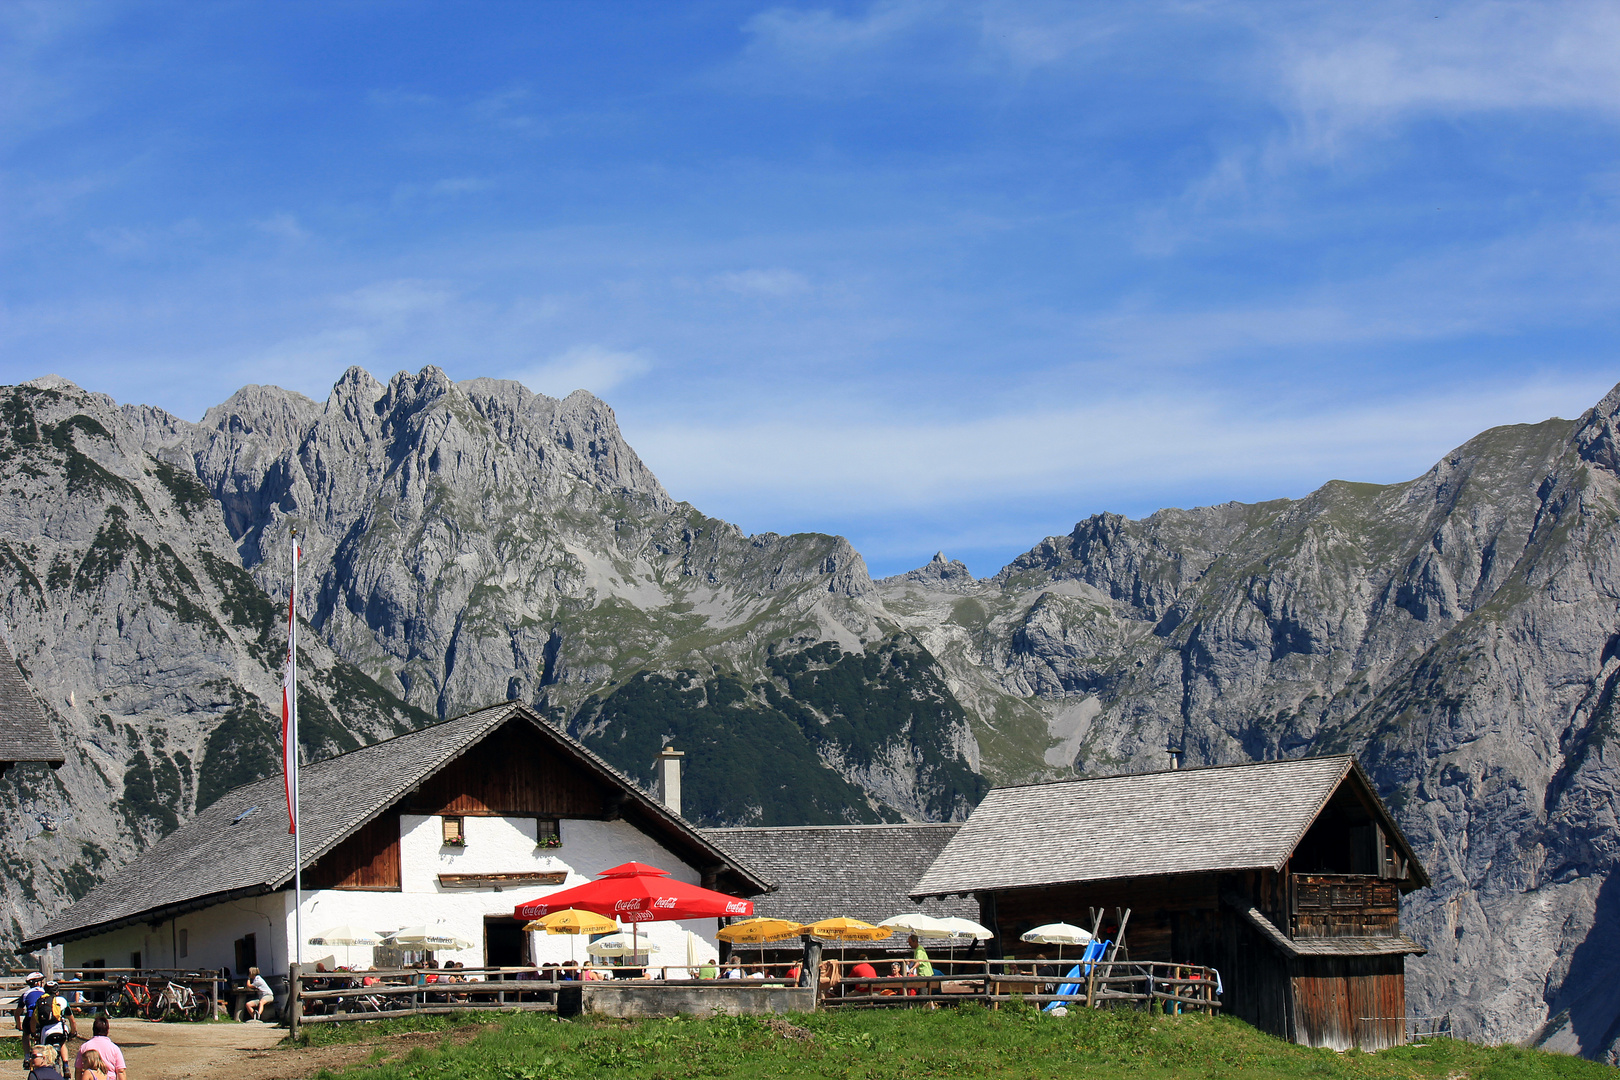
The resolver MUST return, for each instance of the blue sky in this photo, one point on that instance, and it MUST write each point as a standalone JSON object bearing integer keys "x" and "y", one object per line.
{"x": 929, "y": 275}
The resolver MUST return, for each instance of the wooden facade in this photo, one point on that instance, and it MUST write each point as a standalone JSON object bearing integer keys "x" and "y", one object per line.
{"x": 1310, "y": 950}
{"x": 511, "y": 773}
{"x": 367, "y": 860}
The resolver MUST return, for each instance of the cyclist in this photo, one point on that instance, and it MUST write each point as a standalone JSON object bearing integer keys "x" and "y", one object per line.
{"x": 53, "y": 1019}
{"x": 25, "y": 1009}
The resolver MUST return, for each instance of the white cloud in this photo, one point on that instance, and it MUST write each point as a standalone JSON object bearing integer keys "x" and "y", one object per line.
{"x": 504, "y": 109}
{"x": 283, "y": 226}
{"x": 763, "y": 282}
{"x": 817, "y": 35}
{"x": 460, "y": 185}
{"x": 392, "y": 301}
{"x": 821, "y": 456}
{"x": 583, "y": 367}
{"x": 1373, "y": 65}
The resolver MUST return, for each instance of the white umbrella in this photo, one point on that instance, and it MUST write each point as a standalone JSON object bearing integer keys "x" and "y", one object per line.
{"x": 1059, "y": 934}
{"x": 420, "y": 937}
{"x": 963, "y": 928}
{"x": 960, "y": 927}
{"x": 619, "y": 945}
{"x": 915, "y": 922}
{"x": 345, "y": 936}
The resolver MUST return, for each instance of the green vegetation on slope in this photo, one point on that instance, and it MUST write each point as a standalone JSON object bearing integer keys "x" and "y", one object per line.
{"x": 875, "y": 698}
{"x": 756, "y": 753}
{"x": 1014, "y": 1044}
{"x": 746, "y": 763}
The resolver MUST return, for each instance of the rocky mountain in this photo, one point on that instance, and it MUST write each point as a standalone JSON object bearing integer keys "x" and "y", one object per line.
{"x": 471, "y": 542}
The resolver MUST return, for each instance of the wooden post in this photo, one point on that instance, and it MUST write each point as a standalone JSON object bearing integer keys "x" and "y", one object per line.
{"x": 1119, "y": 938}
{"x": 295, "y": 1001}
{"x": 811, "y": 976}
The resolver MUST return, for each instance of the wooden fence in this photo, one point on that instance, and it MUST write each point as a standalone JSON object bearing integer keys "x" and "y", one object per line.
{"x": 332, "y": 997}
{"x": 94, "y": 989}
{"x": 1177, "y": 988}
{"x": 336, "y": 997}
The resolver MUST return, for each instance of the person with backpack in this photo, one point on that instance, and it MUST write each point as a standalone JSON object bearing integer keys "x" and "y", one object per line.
{"x": 53, "y": 1018}
{"x": 25, "y": 1010}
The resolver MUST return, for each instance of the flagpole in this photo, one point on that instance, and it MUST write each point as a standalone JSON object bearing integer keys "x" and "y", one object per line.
{"x": 293, "y": 755}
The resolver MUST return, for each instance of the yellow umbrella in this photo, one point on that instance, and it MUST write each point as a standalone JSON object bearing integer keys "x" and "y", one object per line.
{"x": 573, "y": 921}
{"x": 842, "y": 929}
{"x": 753, "y": 931}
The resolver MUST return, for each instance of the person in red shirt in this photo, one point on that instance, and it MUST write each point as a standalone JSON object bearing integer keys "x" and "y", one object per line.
{"x": 863, "y": 970}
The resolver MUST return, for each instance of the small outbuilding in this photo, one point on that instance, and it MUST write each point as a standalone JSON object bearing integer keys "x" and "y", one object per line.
{"x": 1285, "y": 876}
{"x": 25, "y": 734}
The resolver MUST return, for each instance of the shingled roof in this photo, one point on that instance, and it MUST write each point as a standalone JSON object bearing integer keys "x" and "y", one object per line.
{"x": 239, "y": 846}
{"x": 1236, "y": 817}
{"x": 25, "y": 734}
{"x": 860, "y": 871}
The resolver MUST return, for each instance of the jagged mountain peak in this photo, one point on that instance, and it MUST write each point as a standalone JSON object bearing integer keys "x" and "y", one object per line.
{"x": 938, "y": 574}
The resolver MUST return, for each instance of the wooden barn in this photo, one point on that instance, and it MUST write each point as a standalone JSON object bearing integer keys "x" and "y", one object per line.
{"x": 1285, "y": 876}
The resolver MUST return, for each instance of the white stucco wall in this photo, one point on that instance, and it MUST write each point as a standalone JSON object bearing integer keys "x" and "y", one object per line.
{"x": 211, "y": 935}
{"x": 494, "y": 846}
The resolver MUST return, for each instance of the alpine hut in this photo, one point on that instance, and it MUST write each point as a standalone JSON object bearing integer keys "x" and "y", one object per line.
{"x": 1285, "y": 876}
{"x": 449, "y": 826}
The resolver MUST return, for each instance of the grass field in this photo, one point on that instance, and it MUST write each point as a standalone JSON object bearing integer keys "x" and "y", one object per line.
{"x": 1013, "y": 1044}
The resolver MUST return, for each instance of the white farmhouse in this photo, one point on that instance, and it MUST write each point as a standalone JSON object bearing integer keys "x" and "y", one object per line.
{"x": 450, "y": 827}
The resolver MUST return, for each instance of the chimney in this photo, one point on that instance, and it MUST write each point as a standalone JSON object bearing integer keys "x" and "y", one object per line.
{"x": 667, "y": 778}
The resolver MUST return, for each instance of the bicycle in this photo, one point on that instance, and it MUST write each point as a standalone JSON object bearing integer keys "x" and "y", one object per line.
{"x": 58, "y": 1049}
{"x": 182, "y": 1000}
{"x": 134, "y": 999}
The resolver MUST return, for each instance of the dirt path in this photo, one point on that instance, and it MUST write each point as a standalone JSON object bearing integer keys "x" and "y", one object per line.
{"x": 156, "y": 1051}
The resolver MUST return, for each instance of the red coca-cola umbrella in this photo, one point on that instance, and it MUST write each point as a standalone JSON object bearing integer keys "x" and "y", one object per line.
{"x": 638, "y": 893}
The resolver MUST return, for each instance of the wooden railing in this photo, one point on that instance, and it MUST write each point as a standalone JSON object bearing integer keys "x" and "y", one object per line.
{"x": 335, "y": 997}
{"x": 107, "y": 984}
{"x": 1175, "y": 987}
{"x": 339, "y": 996}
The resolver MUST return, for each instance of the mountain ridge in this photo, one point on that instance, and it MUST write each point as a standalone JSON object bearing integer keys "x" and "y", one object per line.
{"x": 470, "y": 542}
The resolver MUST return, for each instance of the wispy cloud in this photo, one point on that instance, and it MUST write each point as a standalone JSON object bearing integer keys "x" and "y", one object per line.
{"x": 762, "y": 282}
{"x": 283, "y": 226}
{"x": 1110, "y": 449}
{"x": 1379, "y": 63}
{"x": 583, "y": 367}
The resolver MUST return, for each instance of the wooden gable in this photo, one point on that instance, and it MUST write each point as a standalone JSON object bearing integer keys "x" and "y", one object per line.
{"x": 514, "y": 771}
{"x": 368, "y": 860}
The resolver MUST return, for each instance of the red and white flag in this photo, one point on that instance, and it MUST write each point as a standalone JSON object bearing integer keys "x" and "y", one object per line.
{"x": 289, "y": 700}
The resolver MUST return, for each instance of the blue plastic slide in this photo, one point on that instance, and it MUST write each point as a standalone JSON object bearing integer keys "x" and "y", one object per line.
{"x": 1093, "y": 952}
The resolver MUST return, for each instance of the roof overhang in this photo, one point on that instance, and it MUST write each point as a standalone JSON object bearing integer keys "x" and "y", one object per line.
{"x": 151, "y": 915}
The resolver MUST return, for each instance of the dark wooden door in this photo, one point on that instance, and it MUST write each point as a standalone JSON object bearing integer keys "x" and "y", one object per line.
{"x": 506, "y": 944}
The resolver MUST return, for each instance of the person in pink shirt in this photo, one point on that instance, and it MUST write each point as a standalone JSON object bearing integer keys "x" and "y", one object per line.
{"x": 99, "y": 1041}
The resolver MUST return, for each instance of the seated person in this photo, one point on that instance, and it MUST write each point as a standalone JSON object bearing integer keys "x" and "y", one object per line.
{"x": 262, "y": 995}
{"x": 895, "y": 972}
{"x": 862, "y": 970}
{"x": 709, "y": 970}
